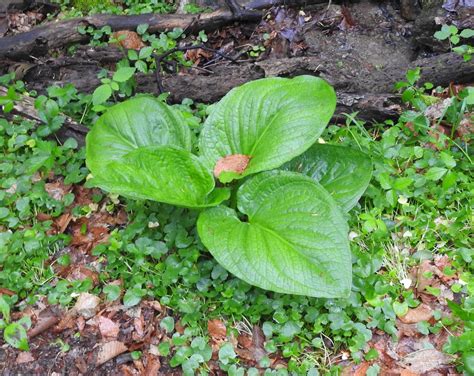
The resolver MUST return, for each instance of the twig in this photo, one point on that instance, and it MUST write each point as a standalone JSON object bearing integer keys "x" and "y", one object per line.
{"x": 159, "y": 60}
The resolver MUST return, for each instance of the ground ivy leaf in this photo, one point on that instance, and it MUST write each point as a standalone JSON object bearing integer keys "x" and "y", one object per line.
{"x": 137, "y": 122}
{"x": 270, "y": 120}
{"x": 162, "y": 173}
{"x": 295, "y": 240}
{"x": 344, "y": 172}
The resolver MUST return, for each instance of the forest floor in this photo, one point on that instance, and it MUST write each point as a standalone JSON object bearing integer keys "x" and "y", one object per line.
{"x": 92, "y": 283}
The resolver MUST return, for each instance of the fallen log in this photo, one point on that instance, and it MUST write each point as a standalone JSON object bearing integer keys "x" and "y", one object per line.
{"x": 41, "y": 39}
{"x": 356, "y": 81}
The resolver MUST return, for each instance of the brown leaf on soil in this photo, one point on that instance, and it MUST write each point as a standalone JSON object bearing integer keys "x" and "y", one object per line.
{"x": 153, "y": 364}
{"x": 421, "y": 313}
{"x": 258, "y": 342}
{"x": 109, "y": 350}
{"x": 407, "y": 330}
{"x": 24, "y": 357}
{"x": 422, "y": 279}
{"x": 57, "y": 189}
{"x": 43, "y": 324}
{"x": 356, "y": 370}
{"x": 405, "y": 372}
{"x": 217, "y": 329}
{"x": 232, "y": 163}
{"x": 87, "y": 305}
{"x": 4, "y": 291}
{"x": 108, "y": 328}
{"x": 129, "y": 40}
{"x": 426, "y": 360}
{"x": 81, "y": 273}
{"x": 43, "y": 217}
{"x": 62, "y": 222}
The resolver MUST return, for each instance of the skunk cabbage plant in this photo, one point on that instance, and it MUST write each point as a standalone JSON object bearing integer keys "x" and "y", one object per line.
{"x": 284, "y": 229}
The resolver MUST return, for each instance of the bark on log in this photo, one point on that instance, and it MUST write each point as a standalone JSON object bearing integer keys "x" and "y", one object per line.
{"x": 359, "y": 89}
{"x": 26, "y": 108}
{"x": 41, "y": 39}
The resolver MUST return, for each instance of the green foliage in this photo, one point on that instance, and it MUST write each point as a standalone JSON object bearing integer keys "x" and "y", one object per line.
{"x": 293, "y": 242}
{"x": 79, "y": 8}
{"x": 153, "y": 161}
{"x": 344, "y": 172}
{"x": 257, "y": 118}
{"x": 453, "y": 36}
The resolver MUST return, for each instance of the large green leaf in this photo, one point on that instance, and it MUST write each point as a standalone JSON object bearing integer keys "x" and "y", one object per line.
{"x": 271, "y": 120}
{"x": 295, "y": 239}
{"x": 162, "y": 173}
{"x": 344, "y": 172}
{"x": 137, "y": 122}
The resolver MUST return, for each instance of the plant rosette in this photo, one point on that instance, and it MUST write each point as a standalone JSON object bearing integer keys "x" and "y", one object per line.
{"x": 277, "y": 219}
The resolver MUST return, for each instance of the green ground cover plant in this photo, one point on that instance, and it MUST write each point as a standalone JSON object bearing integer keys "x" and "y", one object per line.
{"x": 141, "y": 149}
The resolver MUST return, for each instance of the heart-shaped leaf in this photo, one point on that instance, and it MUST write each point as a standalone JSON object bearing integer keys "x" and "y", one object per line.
{"x": 162, "y": 173}
{"x": 270, "y": 121}
{"x": 137, "y": 122}
{"x": 295, "y": 240}
{"x": 344, "y": 172}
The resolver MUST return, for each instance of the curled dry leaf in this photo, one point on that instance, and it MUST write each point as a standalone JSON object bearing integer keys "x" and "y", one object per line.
{"x": 217, "y": 329}
{"x": 421, "y": 313}
{"x": 129, "y": 40}
{"x": 109, "y": 350}
{"x": 236, "y": 163}
{"x": 57, "y": 189}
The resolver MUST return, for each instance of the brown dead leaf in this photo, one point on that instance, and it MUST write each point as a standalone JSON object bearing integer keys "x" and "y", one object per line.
{"x": 421, "y": 313}
{"x": 356, "y": 370}
{"x": 425, "y": 360}
{"x": 45, "y": 321}
{"x": 129, "y": 40}
{"x": 423, "y": 278}
{"x": 109, "y": 350}
{"x": 81, "y": 273}
{"x": 153, "y": 364}
{"x": 405, "y": 372}
{"x": 4, "y": 291}
{"x": 232, "y": 163}
{"x": 407, "y": 330}
{"x": 57, "y": 189}
{"x": 87, "y": 305}
{"x": 24, "y": 357}
{"x": 108, "y": 328}
{"x": 43, "y": 217}
{"x": 217, "y": 329}
{"x": 62, "y": 222}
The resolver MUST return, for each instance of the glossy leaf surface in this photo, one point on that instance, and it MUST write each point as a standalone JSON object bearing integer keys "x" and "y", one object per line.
{"x": 137, "y": 122}
{"x": 344, "y": 172}
{"x": 271, "y": 121}
{"x": 164, "y": 174}
{"x": 295, "y": 239}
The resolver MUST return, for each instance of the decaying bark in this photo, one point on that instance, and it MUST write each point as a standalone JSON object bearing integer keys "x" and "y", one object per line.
{"x": 359, "y": 89}
{"x": 44, "y": 38}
